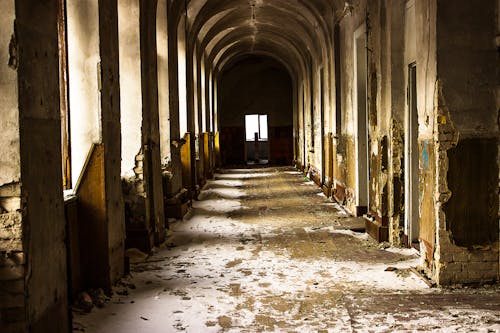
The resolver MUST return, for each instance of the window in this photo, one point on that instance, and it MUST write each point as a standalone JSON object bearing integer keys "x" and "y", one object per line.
{"x": 256, "y": 125}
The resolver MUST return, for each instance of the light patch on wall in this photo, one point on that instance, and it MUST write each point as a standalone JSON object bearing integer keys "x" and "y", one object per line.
{"x": 83, "y": 60}
{"x": 202, "y": 94}
{"x": 130, "y": 83}
{"x": 9, "y": 125}
{"x": 163, "y": 97}
{"x": 181, "y": 53}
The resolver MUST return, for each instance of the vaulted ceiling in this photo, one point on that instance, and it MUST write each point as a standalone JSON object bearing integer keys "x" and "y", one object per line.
{"x": 295, "y": 32}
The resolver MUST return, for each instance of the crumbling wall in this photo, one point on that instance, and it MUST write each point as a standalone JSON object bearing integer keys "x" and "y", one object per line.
{"x": 140, "y": 124}
{"x": 379, "y": 112}
{"x": 12, "y": 260}
{"x": 394, "y": 120}
{"x": 374, "y": 16}
{"x": 346, "y": 151}
{"x": 396, "y": 183}
{"x": 9, "y": 126}
{"x": 467, "y": 136}
{"x": 31, "y": 214}
{"x": 137, "y": 216}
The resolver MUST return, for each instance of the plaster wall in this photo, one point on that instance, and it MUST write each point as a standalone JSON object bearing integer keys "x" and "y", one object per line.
{"x": 12, "y": 250}
{"x": 467, "y": 221}
{"x": 181, "y": 75}
{"x": 203, "y": 94}
{"x": 320, "y": 112}
{"x": 9, "y": 126}
{"x": 163, "y": 93}
{"x": 130, "y": 83}
{"x": 83, "y": 68}
{"x": 346, "y": 160}
{"x": 455, "y": 123}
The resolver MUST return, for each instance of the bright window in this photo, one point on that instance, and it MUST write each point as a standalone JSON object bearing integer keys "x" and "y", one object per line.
{"x": 256, "y": 124}
{"x": 263, "y": 127}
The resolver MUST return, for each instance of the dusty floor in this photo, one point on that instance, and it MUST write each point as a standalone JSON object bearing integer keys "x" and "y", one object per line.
{"x": 264, "y": 251}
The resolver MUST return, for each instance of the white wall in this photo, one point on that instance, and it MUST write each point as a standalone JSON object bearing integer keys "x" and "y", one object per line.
{"x": 181, "y": 49}
{"x": 163, "y": 97}
{"x": 83, "y": 60}
{"x": 9, "y": 124}
{"x": 130, "y": 82}
{"x": 202, "y": 94}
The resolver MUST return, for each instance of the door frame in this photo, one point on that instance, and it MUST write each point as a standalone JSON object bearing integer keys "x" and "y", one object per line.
{"x": 411, "y": 225}
{"x": 361, "y": 120}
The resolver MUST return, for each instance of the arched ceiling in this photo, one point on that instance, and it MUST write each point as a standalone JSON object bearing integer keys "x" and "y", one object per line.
{"x": 291, "y": 31}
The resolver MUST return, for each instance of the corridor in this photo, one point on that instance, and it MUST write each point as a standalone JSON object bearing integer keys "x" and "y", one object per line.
{"x": 375, "y": 124}
{"x": 263, "y": 250}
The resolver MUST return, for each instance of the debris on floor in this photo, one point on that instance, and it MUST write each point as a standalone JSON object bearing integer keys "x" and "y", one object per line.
{"x": 295, "y": 266}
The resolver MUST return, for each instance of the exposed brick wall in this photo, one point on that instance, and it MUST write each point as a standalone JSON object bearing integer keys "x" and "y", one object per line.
{"x": 12, "y": 263}
{"x": 11, "y": 231}
{"x": 452, "y": 263}
{"x": 459, "y": 264}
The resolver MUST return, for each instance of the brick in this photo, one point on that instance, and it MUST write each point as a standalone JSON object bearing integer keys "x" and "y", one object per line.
{"x": 476, "y": 276}
{"x": 11, "y": 219}
{"x": 461, "y": 256}
{"x": 10, "y": 226}
{"x": 11, "y": 245}
{"x": 446, "y": 257}
{"x": 484, "y": 256}
{"x": 11, "y": 273}
{"x": 445, "y": 277}
{"x": 453, "y": 267}
{"x": 481, "y": 266}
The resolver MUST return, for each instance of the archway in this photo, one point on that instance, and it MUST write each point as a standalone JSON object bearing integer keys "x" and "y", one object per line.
{"x": 256, "y": 85}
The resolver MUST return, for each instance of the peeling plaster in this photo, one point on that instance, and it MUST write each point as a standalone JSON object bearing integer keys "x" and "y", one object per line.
{"x": 13, "y": 52}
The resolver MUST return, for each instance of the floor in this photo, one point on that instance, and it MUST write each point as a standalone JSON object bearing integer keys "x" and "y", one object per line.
{"x": 264, "y": 251}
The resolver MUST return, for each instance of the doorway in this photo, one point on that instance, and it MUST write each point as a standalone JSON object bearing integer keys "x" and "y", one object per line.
{"x": 411, "y": 228}
{"x": 256, "y": 139}
{"x": 361, "y": 120}
{"x": 411, "y": 149}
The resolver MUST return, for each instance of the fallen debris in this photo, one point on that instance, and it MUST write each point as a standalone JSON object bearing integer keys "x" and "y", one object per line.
{"x": 84, "y": 302}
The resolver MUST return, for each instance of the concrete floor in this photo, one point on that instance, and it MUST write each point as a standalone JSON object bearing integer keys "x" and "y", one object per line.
{"x": 264, "y": 251}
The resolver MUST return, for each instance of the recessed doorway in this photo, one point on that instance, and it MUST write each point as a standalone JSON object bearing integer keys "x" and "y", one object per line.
{"x": 361, "y": 120}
